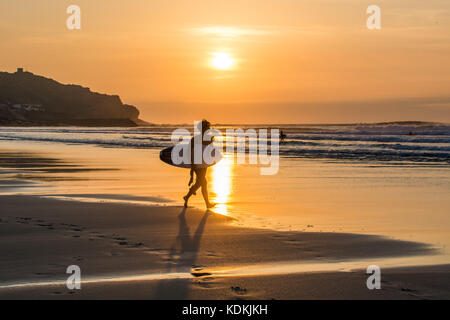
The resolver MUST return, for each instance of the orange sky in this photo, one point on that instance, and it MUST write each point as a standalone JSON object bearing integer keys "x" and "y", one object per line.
{"x": 295, "y": 61}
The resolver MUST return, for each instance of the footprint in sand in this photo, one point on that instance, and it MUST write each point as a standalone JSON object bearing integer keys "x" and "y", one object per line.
{"x": 211, "y": 253}
{"x": 294, "y": 242}
{"x": 206, "y": 282}
{"x": 122, "y": 241}
{"x": 277, "y": 236}
{"x": 23, "y": 220}
{"x": 113, "y": 254}
{"x": 44, "y": 273}
{"x": 136, "y": 245}
{"x": 49, "y": 226}
{"x": 407, "y": 290}
{"x": 45, "y": 224}
{"x": 197, "y": 268}
{"x": 201, "y": 274}
{"x": 97, "y": 234}
{"x": 60, "y": 292}
{"x": 157, "y": 251}
{"x": 239, "y": 290}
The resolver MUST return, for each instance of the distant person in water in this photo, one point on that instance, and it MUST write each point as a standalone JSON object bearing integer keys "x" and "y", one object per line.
{"x": 282, "y": 135}
{"x": 200, "y": 172}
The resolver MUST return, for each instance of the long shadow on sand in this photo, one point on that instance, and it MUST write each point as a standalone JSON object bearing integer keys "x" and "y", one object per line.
{"x": 182, "y": 257}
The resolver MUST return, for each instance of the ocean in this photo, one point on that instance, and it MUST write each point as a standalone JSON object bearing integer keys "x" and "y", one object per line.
{"x": 420, "y": 143}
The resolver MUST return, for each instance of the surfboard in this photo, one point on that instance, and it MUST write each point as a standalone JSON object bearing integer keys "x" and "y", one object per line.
{"x": 166, "y": 156}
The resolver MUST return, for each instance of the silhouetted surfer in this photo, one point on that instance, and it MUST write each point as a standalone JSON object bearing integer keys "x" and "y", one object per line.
{"x": 200, "y": 171}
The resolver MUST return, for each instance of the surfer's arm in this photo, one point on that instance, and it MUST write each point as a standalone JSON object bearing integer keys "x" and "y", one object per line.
{"x": 192, "y": 153}
{"x": 191, "y": 180}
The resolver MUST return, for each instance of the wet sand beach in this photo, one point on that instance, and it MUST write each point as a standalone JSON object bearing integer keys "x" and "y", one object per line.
{"x": 98, "y": 210}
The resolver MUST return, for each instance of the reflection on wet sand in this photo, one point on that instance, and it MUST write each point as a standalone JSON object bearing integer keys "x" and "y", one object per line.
{"x": 222, "y": 185}
{"x": 20, "y": 171}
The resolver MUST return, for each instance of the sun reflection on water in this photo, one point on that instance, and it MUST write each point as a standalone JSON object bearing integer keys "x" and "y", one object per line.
{"x": 222, "y": 185}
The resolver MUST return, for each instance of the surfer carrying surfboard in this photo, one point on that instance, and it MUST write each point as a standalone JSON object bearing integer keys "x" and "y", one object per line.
{"x": 199, "y": 170}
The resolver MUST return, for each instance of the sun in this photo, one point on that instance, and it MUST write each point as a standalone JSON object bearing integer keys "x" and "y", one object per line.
{"x": 222, "y": 61}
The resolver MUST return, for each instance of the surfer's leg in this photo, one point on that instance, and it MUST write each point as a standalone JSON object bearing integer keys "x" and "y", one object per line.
{"x": 191, "y": 191}
{"x": 209, "y": 204}
{"x": 206, "y": 195}
{"x": 200, "y": 176}
{"x": 186, "y": 199}
{"x": 205, "y": 191}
